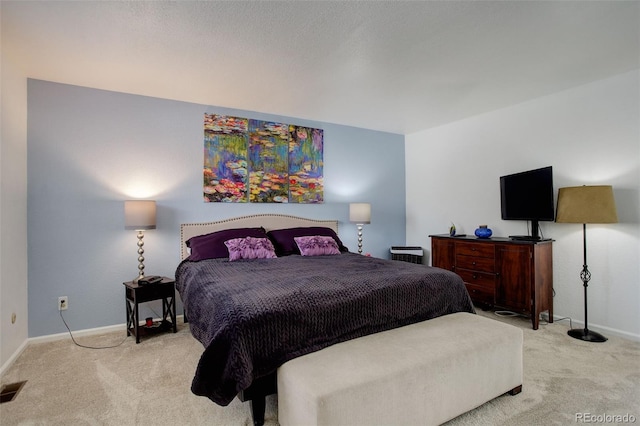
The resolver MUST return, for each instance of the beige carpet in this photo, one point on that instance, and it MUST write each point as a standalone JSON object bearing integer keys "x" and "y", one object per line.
{"x": 149, "y": 383}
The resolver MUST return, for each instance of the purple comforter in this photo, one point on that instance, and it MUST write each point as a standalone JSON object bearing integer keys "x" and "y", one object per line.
{"x": 254, "y": 315}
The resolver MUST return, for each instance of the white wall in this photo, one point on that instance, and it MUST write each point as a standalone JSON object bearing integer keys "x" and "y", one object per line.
{"x": 13, "y": 211}
{"x": 590, "y": 135}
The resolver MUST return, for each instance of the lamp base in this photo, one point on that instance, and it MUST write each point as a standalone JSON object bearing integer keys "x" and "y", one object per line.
{"x": 586, "y": 335}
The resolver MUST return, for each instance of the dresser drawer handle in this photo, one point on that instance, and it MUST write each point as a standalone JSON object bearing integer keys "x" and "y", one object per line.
{"x": 473, "y": 263}
{"x": 474, "y": 276}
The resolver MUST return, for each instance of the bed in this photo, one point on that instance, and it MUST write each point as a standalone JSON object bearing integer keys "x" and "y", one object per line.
{"x": 254, "y": 314}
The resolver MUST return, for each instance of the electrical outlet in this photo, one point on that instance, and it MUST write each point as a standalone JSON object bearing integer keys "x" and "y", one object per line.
{"x": 63, "y": 303}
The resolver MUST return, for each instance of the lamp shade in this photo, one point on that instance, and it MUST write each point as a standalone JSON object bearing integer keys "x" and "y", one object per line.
{"x": 586, "y": 204}
{"x": 139, "y": 214}
{"x": 360, "y": 213}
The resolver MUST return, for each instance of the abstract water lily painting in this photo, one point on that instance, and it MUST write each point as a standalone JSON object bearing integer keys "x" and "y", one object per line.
{"x": 268, "y": 162}
{"x": 225, "y": 159}
{"x": 261, "y": 161}
{"x": 305, "y": 165}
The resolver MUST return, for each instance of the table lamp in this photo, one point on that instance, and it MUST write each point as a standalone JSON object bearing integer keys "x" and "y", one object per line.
{"x": 140, "y": 215}
{"x": 360, "y": 214}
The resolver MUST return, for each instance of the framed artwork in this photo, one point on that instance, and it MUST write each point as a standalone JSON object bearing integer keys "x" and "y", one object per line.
{"x": 305, "y": 165}
{"x": 225, "y": 159}
{"x": 261, "y": 161}
{"x": 268, "y": 162}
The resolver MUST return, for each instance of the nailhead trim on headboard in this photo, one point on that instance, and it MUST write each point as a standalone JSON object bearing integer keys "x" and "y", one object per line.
{"x": 269, "y": 221}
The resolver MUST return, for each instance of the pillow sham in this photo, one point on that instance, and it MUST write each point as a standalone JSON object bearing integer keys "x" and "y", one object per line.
{"x": 317, "y": 245}
{"x": 284, "y": 243}
{"x": 211, "y": 246}
{"x": 250, "y": 248}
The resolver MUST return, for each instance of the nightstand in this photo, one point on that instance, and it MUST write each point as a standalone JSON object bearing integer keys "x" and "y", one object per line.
{"x": 136, "y": 294}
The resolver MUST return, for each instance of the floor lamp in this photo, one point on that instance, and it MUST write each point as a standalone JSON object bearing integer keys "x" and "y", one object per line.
{"x": 586, "y": 204}
{"x": 140, "y": 215}
{"x": 360, "y": 214}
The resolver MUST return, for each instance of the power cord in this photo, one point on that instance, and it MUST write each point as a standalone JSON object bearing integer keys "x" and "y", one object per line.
{"x": 553, "y": 294}
{"x": 565, "y": 318}
{"x": 529, "y": 229}
{"x": 544, "y": 322}
{"x": 154, "y": 312}
{"x": 508, "y": 314}
{"x": 85, "y": 346}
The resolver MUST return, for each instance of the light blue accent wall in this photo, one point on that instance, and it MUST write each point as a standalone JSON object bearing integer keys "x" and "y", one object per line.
{"x": 89, "y": 150}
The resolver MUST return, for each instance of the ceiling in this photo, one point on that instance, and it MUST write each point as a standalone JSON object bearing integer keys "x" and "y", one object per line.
{"x": 393, "y": 66}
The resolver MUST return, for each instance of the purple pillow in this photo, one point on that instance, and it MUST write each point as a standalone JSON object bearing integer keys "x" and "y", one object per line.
{"x": 317, "y": 245}
{"x": 283, "y": 239}
{"x": 250, "y": 248}
{"x": 211, "y": 246}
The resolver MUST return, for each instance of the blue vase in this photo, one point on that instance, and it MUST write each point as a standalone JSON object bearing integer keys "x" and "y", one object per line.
{"x": 483, "y": 232}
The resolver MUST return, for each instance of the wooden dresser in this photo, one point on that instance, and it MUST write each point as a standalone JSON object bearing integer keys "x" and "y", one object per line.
{"x": 499, "y": 272}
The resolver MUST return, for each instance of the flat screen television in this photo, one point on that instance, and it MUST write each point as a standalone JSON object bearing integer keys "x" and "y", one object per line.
{"x": 528, "y": 196}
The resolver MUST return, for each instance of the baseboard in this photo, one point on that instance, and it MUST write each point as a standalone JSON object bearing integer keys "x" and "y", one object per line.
{"x": 77, "y": 333}
{"x": 13, "y": 357}
{"x": 62, "y": 336}
{"x": 607, "y": 331}
{"x": 85, "y": 332}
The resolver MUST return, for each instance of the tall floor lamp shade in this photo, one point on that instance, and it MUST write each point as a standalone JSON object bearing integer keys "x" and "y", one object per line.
{"x": 586, "y": 204}
{"x": 140, "y": 215}
{"x": 360, "y": 214}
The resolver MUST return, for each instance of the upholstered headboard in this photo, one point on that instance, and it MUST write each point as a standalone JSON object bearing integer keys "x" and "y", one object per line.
{"x": 268, "y": 221}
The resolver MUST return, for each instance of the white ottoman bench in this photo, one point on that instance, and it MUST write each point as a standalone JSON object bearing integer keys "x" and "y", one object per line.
{"x": 420, "y": 374}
